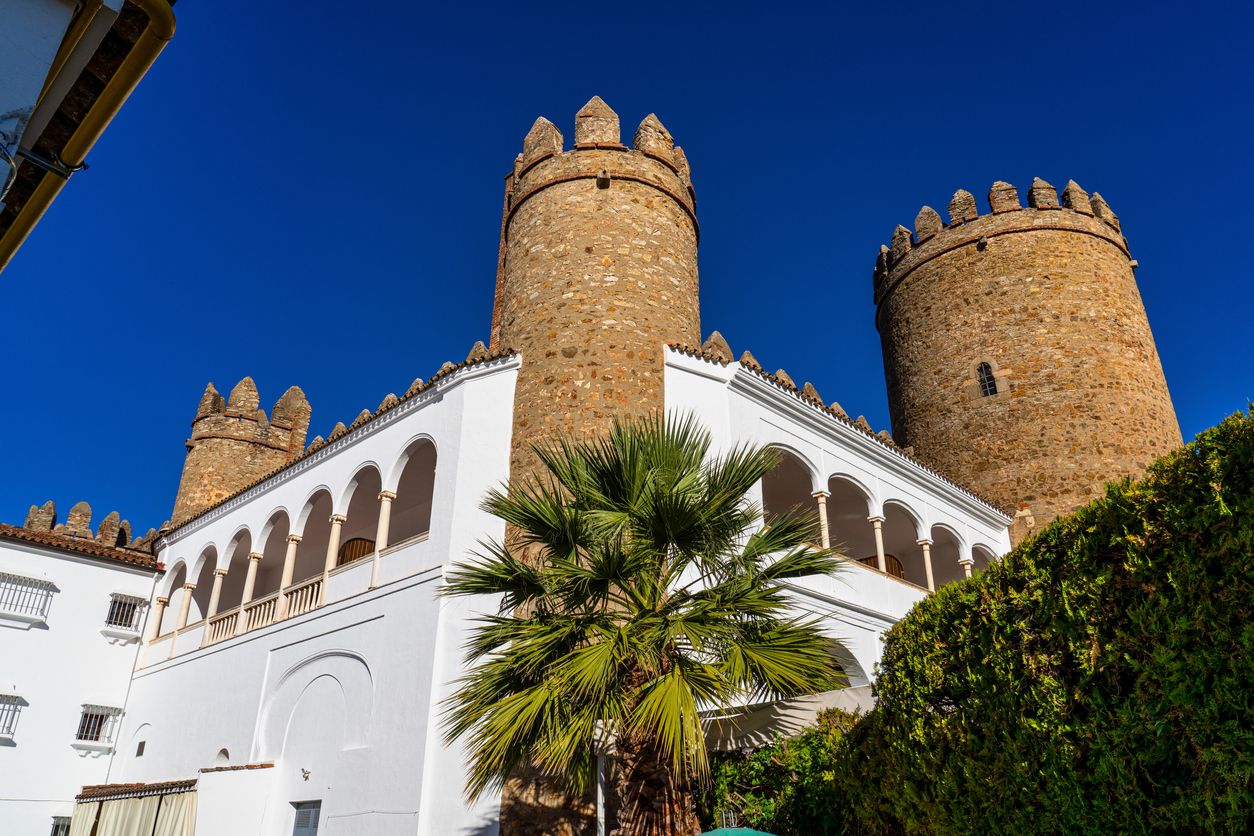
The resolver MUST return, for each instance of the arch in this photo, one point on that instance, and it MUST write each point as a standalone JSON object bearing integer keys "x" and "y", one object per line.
{"x": 306, "y": 507}
{"x": 236, "y": 564}
{"x": 204, "y": 589}
{"x": 413, "y": 446}
{"x": 982, "y": 557}
{"x": 315, "y": 532}
{"x": 849, "y": 504}
{"x": 361, "y": 511}
{"x": 223, "y": 758}
{"x": 209, "y": 552}
{"x": 141, "y": 736}
{"x": 902, "y": 531}
{"x": 855, "y": 674}
{"x": 414, "y": 485}
{"x": 273, "y": 549}
{"x": 868, "y": 495}
{"x": 355, "y": 481}
{"x": 789, "y": 485}
{"x": 168, "y": 587}
{"x": 947, "y": 551}
{"x": 174, "y": 594}
{"x": 350, "y": 670}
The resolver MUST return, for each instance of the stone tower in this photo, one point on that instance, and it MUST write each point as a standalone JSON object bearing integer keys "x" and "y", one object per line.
{"x": 233, "y": 444}
{"x": 597, "y": 272}
{"x": 1018, "y": 355}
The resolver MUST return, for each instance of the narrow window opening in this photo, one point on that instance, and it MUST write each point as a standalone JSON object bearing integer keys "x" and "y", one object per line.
{"x": 306, "y": 817}
{"x": 988, "y": 383}
{"x": 139, "y": 750}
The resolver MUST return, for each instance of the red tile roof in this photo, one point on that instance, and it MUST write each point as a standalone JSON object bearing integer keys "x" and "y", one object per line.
{"x": 78, "y": 545}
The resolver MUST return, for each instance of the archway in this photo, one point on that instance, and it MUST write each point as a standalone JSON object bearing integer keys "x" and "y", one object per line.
{"x": 786, "y": 487}
{"x": 847, "y": 512}
{"x": 415, "y": 490}
{"x": 946, "y": 553}
{"x": 273, "y": 550}
{"x": 361, "y": 517}
{"x": 237, "y": 570}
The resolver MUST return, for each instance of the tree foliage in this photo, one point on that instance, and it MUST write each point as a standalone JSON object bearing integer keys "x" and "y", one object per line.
{"x": 1097, "y": 679}
{"x": 635, "y": 592}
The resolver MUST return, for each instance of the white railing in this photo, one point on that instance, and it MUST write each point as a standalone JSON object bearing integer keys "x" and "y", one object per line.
{"x": 304, "y": 596}
{"x": 221, "y": 626}
{"x": 261, "y": 612}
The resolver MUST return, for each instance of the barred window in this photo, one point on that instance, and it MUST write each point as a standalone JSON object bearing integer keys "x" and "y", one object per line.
{"x": 124, "y": 612}
{"x": 988, "y": 383}
{"x": 60, "y": 826}
{"x": 10, "y": 708}
{"x": 98, "y": 724}
{"x": 24, "y": 596}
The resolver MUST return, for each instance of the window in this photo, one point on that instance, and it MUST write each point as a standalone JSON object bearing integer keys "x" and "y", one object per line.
{"x": 355, "y": 549}
{"x": 305, "y": 822}
{"x": 97, "y": 724}
{"x": 25, "y": 599}
{"x": 125, "y": 612}
{"x": 139, "y": 748}
{"x": 10, "y": 708}
{"x": 988, "y": 383}
{"x": 60, "y": 826}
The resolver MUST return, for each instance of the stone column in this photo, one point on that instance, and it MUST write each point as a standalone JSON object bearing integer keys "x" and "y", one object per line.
{"x": 381, "y": 533}
{"x": 333, "y": 551}
{"x": 215, "y": 593}
{"x": 824, "y": 533}
{"x": 878, "y": 523}
{"x": 158, "y": 612}
{"x": 250, "y": 581}
{"x": 289, "y": 566}
{"x": 966, "y": 567}
{"x": 185, "y": 606}
{"x": 926, "y": 545}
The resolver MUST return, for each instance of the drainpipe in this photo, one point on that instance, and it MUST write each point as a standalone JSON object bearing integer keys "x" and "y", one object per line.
{"x": 158, "y": 32}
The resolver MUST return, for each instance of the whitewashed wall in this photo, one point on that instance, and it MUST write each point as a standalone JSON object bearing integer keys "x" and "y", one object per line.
{"x": 56, "y": 666}
{"x": 858, "y": 605}
{"x": 344, "y": 699}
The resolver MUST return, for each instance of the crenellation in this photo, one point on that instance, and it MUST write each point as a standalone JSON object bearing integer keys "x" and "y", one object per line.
{"x": 78, "y": 521}
{"x": 926, "y": 224}
{"x": 717, "y": 346}
{"x": 244, "y": 397}
{"x": 41, "y": 517}
{"x": 1102, "y": 210}
{"x": 962, "y": 207}
{"x": 653, "y": 138}
{"x": 543, "y": 140}
{"x": 900, "y": 244}
{"x": 1003, "y": 197}
{"x": 596, "y": 124}
{"x": 1042, "y": 195}
{"x": 1076, "y": 199}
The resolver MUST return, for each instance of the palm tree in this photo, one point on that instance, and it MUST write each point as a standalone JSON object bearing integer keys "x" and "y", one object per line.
{"x": 633, "y": 597}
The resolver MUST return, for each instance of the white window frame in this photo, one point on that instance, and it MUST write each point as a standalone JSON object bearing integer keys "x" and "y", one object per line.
{"x": 60, "y": 826}
{"x": 11, "y": 706}
{"x": 128, "y": 632}
{"x": 25, "y": 600}
{"x": 105, "y": 728}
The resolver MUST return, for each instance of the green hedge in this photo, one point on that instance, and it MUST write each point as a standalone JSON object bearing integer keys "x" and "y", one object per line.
{"x": 1098, "y": 679}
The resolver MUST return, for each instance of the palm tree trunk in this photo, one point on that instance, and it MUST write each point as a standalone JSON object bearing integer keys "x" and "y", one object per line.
{"x": 649, "y": 798}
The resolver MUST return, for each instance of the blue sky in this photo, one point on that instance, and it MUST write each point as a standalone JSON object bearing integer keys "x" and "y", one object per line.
{"x": 310, "y": 192}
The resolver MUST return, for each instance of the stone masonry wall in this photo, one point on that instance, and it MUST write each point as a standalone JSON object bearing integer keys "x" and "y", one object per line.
{"x": 1046, "y": 296}
{"x": 233, "y": 444}
{"x": 599, "y": 272}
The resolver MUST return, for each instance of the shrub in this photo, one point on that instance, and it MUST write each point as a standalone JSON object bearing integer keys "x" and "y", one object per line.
{"x": 1097, "y": 679}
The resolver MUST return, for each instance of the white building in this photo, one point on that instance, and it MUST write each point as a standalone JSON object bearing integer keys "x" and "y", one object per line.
{"x": 71, "y": 614}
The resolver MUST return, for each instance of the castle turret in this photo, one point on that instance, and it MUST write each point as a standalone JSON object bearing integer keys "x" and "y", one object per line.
{"x": 598, "y": 271}
{"x": 234, "y": 443}
{"x": 1017, "y": 351}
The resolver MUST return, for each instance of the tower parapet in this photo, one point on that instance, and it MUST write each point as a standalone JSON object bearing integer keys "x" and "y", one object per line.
{"x": 1018, "y": 355}
{"x": 233, "y": 443}
{"x": 597, "y": 273}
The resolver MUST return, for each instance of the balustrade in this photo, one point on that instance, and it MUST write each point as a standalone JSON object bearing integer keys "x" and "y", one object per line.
{"x": 221, "y": 626}
{"x": 261, "y": 612}
{"x": 304, "y": 596}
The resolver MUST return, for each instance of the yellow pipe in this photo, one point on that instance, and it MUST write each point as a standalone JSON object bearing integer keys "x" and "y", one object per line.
{"x": 155, "y": 36}
{"x": 78, "y": 28}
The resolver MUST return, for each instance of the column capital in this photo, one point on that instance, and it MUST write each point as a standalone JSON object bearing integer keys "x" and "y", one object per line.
{"x": 189, "y": 586}
{"x": 255, "y": 555}
{"x": 338, "y": 519}
{"x": 821, "y": 494}
{"x": 924, "y": 542}
{"x": 875, "y": 519}
{"x": 221, "y": 573}
{"x": 387, "y": 495}
{"x": 162, "y": 601}
{"x": 965, "y": 561}
{"x": 293, "y": 538}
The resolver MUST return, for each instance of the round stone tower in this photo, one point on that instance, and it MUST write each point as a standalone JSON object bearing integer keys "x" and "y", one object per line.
{"x": 233, "y": 444}
{"x": 597, "y": 272}
{"x": 1018, "y": 355}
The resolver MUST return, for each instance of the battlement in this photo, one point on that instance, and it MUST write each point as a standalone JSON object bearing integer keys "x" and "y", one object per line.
{"x": 240, "y": 417}
{"x": 599, "y": 154}
{"x": 113, "y": 531}
{"x": 1073, "y": 211}
{"x": 233, "y": 440}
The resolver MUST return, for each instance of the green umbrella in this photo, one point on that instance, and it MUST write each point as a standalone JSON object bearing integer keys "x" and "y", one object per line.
{"x": 736, "y": 831}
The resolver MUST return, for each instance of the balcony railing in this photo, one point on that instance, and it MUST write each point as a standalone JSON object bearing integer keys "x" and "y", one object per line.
{"x": 221, "y": 626}
{"x": 261, "y": 612}
{"x": 304, "y": 596}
